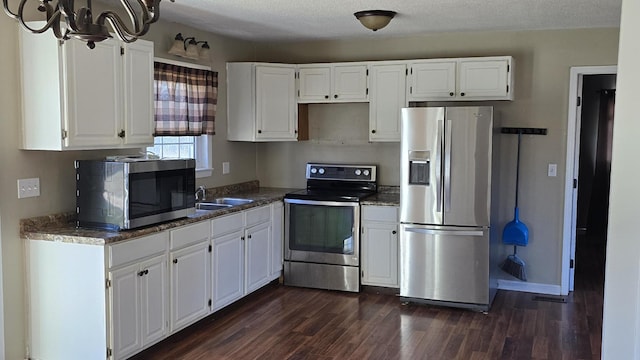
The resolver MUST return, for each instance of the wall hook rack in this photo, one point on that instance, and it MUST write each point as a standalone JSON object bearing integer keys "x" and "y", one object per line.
{"x": 524, "y": 131}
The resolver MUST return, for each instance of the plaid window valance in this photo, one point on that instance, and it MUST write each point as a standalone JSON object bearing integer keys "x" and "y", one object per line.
{"x": 185, "y": 100}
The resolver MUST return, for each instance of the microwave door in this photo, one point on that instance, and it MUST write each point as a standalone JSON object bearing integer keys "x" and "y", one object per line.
{"x": 421, "y": 165}
{"x": 467, "y": 166}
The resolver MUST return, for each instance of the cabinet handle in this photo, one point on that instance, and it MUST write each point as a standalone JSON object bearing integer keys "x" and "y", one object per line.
{"x": 121, "y": 134}
{"x": 335, "y": 96}
{"x": 326, "y": 96}
{"x": 259, "y": 131}
{"x": 451, "y": 93}
{"x": 373, "y": 131}
{"x": 175, "y": 261}
{"x": 394, "y": 232}
{"x": 146, "y": 271}
{"x": 461, "y": 94}
{"x": 242, "y": 238}
{"x": 249, "y": 236}
{"x": 140, "y": 273}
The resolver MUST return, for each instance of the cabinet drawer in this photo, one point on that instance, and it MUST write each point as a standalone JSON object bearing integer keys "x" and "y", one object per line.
{"x": 380, "y": 213}
{"x": 258, "y": 215}
{"x": 137, "y": 249}
{"x": 227, "y": 224}
{"x": 189, "y": 235}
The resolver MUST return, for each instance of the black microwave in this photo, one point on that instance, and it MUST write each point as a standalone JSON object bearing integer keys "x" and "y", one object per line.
{"x": 130, "y": 192}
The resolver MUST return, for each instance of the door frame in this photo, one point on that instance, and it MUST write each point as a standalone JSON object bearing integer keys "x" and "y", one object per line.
{"x": 572, "y": 168}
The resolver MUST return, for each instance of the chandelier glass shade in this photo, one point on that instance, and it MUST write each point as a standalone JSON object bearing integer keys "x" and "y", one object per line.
{"x": 375, "y": 19}
{"x": 66, "y": 21}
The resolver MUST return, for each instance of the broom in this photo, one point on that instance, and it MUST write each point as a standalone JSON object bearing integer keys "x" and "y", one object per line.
{"x": 514, "y": 266}
{"x": 515, "y": 233}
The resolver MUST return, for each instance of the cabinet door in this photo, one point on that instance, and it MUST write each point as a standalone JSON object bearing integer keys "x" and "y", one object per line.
{"x": 314, "y": 84}
{"x": 483, "y": 79}
{"x": 388, "y": 84}
{"x": 125, "y": 311}
{"x": 380, "y": 254}
{"x": 275, "y": 103}
{"x": 257, "y": 268}
{"x": 228, "y": 269}
{"x": 138, "y": 91}
{"x": 349, "y": 83}
{"x": 189, "y": 285}
{"x": 432, "y": 80}
{"x": 154, "y": 285}
{"x": 277, "y": 239}
{"x": 94, "y": 97}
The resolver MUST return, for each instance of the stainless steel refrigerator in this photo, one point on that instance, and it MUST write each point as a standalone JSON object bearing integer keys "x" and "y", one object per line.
{"x": 445, "y": 200}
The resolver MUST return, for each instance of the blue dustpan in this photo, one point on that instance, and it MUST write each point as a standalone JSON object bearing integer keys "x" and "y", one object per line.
{"x": 516, "y": 232}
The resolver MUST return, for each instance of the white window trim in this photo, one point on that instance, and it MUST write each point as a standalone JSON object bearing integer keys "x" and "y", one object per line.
{"x": 203, "y": 153}
{"x": 204, "y": 144}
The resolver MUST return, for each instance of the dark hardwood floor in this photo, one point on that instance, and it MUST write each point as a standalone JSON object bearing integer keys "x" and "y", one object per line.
{"x": 293, "y": 323}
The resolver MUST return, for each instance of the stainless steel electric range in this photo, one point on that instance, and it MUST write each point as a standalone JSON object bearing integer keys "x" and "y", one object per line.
{"x": 322, "y": 227}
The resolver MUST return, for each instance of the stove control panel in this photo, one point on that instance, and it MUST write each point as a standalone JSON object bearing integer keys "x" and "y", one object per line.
{"x": 341, "y": 172}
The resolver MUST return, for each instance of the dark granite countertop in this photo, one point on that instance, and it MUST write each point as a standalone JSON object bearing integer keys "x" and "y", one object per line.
{"x": 61, "y": 227}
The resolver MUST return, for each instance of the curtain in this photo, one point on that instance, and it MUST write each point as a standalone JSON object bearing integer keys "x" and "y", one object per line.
{"x": 185, "y": 100}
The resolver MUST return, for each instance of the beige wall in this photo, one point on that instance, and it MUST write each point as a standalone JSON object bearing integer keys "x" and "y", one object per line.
{"x": 542, "y": 63}
{"x": 55, "y": 169}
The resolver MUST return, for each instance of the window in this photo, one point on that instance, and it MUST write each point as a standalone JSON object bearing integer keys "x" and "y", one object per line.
{"x": 197, "y": 147}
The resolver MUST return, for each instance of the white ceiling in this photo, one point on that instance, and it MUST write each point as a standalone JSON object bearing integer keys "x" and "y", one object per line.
{"x": 330, "y": 19}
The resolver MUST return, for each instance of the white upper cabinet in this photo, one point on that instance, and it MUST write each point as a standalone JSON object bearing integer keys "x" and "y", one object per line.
{"x": 335, "y": 82}
{"x": 261, "y": 102}
{"x": 138, "y": 92}
{"x": 464, "y": 79}
{"x": 387, "y": 98}
{"x": 77, "y": 98}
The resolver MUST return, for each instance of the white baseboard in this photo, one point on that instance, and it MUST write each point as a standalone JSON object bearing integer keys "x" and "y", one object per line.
{"x": 524, "y": 286}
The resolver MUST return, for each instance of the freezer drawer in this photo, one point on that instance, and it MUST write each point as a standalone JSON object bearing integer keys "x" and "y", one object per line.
{"x": 448, "y": 264}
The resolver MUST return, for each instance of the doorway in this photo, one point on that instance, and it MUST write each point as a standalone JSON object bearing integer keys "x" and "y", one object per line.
{"x": 589, "y": 138}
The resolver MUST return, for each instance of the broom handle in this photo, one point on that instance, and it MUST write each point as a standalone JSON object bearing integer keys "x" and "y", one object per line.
{"x": 515, "y": 248}
{"x": 518, "y": 167}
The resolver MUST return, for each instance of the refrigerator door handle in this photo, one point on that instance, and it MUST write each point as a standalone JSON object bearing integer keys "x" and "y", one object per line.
{"x": 446, "y": 232}
{"x": 447, "y": 167}
{"x": 439, "y": 167}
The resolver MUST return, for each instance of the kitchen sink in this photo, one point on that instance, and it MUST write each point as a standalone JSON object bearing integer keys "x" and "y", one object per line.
{"x": 232, "y": 201}
{"x": 211, "y": 206}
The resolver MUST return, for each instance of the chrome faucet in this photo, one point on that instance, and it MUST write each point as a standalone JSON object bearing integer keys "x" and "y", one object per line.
{"x": 202, "y": 190}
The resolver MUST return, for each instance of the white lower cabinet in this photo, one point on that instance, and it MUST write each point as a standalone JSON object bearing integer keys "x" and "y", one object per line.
{"x": 257, "y": 245}
{"x": 277, "y": 238}
{"x": 138, "y": 305}
{"x": 242, "y": 254}
{"x": 380, "y": 246}
{"x": 137, "y": 292}
{"x": 190, "y": 271}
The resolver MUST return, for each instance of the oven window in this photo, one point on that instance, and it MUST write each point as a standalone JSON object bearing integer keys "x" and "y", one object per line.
{"x": 158, "y": 192}
{"x": 319, "y": 228}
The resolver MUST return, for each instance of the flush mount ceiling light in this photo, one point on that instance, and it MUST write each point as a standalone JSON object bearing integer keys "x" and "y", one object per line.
{"x": 375, "y": 19}
{"x": 79, "y": 22}
{"x": 188, "y": 48}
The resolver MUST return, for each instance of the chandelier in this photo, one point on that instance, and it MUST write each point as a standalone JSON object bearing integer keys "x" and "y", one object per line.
{"x": 80, "y": 24}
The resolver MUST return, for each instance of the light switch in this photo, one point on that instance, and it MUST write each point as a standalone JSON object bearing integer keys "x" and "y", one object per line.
{"x": 553, "y": 170}
{"x": 225, "y": 167}
{"x": 28, "y": 188}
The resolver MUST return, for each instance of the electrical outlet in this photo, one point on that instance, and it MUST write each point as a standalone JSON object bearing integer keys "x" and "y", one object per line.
{"x": 28, "y": 188}
{"x": 553, "y": 170}
{"x": 225, "y": 167}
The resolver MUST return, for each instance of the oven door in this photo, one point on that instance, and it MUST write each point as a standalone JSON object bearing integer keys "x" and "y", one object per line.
{"x": 324, "y": 232}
